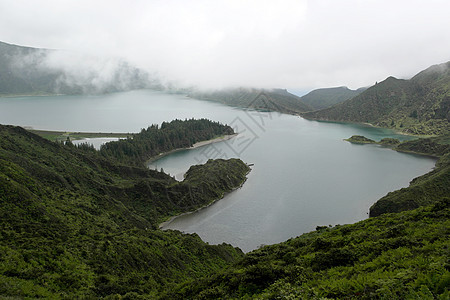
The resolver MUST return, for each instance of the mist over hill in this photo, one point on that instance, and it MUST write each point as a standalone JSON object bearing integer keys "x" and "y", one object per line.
{"x": 262, "y": 99}
{"x": 26, "y": 70}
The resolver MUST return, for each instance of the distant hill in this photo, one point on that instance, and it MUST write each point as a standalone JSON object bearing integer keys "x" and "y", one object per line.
{"x": 269, "y": 100}
{"x": 326, "y": 97}
{"x": 420, "y": 105}
{"x": 26, "y": 70}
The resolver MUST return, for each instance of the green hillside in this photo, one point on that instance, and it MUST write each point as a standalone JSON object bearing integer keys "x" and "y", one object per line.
{"x": 416, "y": 106}
{"x": 267, "y": 100}
{"x": 326, "y": 97}
{"x": 394, "y": 256}
{"x": 32, "y": 71}
{"x": 402, "y": 255}
{"x": 77, "y": 225}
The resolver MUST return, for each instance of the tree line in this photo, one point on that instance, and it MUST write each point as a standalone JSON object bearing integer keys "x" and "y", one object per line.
{"x": 158, "y": 139}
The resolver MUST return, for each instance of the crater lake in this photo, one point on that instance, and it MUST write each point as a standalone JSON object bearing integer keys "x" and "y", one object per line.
{"x": 303, "y": 173}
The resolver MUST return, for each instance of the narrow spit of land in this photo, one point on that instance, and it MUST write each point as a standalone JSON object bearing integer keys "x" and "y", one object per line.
{"x": 57, "y": 136}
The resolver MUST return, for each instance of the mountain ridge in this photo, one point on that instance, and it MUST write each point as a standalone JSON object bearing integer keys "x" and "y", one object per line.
{"x": 279, "y": 100}
{"x": 419, "y": 105}
{"x": 326, "y": 97}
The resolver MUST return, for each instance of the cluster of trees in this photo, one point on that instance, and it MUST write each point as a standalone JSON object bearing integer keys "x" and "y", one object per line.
{"x": 158, "y": 139}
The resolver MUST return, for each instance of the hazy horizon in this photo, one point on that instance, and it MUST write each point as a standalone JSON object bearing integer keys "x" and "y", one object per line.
{"x": 297, "y": 45}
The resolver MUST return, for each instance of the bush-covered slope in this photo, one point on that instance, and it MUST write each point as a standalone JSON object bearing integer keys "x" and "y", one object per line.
{"x": 326, "y": 97}
{"x": 74, "y": 224}
{"x": 394, "y": 256}
{"x": 267, "y": 100}
{"x": 419, "y": 105}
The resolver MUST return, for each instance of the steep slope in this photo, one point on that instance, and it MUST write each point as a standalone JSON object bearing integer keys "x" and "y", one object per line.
{"x": 418, "y": 106}
{"x": 26, "y": 70}
{"x": 267, "y": 100}
{"x": 76, "y": 225}
{"x": 326, "y": 97}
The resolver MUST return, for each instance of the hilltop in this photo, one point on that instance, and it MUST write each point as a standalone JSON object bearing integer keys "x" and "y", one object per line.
{"x": 326, "y": 97}
{"x": 420, "y": 105}
{"x": 34, "y": 71}
{"x": 261, "y": 99}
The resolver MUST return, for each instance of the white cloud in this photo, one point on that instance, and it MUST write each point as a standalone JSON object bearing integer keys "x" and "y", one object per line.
{"x": 291, "y": 43}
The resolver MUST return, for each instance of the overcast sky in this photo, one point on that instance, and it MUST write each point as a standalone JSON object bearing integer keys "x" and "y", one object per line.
{"x": 215, "y": 43}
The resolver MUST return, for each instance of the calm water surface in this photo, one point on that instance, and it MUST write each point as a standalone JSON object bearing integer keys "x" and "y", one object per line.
{"x": 304, "y": 174}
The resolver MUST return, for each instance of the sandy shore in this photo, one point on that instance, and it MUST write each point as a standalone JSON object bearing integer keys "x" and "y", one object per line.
{"x": 219, "y": 139}
{"x": 196, "y": 145}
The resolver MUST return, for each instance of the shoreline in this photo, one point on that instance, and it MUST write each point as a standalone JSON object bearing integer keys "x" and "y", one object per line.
{"x": 55, "y": 135}
{"x": 366, "y": 124}
{"x": 171, "y": 219}
{"x": 196, "y": 145}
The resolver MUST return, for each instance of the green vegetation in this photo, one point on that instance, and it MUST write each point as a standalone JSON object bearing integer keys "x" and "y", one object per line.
{"x": 259, "y": 99}
{"x": 323, "y": 98}
{"x": 359, "y": 139}
{"x": 394, "y": 256}
{"x": 77, "y": 225}
{"x": 155, "y": 140}
{"x": 416, "y": 106}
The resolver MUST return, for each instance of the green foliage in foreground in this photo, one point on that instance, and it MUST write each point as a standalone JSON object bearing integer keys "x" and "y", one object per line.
{"x": 170, "y": 136}
{"x": 74, "y": 224}
{"x": 394, "y": 256}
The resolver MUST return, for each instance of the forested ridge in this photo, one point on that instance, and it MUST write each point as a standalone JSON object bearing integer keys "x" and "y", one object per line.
{"x": 75, "y": 224}
{"x": 159, "y": 139}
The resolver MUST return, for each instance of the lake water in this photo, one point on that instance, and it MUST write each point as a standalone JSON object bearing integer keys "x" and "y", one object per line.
{"x": 304, "y": 174}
